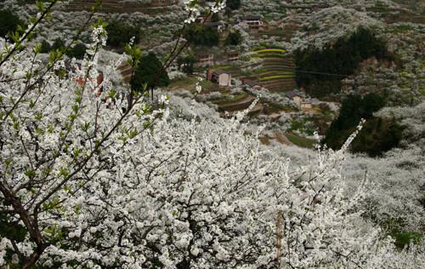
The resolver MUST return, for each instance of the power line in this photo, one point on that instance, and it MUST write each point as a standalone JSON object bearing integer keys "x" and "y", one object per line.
{"x": 313, "y": 72}
{"x": 320, "y": 73}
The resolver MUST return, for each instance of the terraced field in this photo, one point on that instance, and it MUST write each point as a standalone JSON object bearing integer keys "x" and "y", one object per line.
{"x": 277, "y": 70}
{"x": 283, "y": 34}
{"x": 119, "y": 6}
{"x": 238, "y": 103}
{"x": 392, "y": 15}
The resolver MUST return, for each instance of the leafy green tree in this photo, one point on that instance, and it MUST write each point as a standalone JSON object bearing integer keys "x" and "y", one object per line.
{"x": 215, "y": 17}
{"x": 233, "y": 4}
{"x": 234, "y": 38}
{"x": 186, "y": 64}
{"x": 377, "y": 136}
{"x": 320, "y": 70}
{"x": 371, "y": 103}
{"x": 45, "y": 46}
{"x": 9, "y": 22}
{"x": 58, "y": 44}
{"x": 120, "y": 34}
{"x": 78, "y": 51}
{"x": 201, "y": 35}
{"x": 149, "y": 72}
{"x": 353, "y": 109}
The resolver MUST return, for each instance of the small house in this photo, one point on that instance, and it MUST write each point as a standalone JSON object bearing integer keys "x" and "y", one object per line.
{"x": 306, "y": 105}
{"x": 254, "y": 21}
{"x": 220, "y": 77}
{"x": 205, "y": 59}
{"x": 295, "y": 97}
{"x": 254, "y": 85}
{"x": 218, "y": 25}
{"x": 232, "y": 56}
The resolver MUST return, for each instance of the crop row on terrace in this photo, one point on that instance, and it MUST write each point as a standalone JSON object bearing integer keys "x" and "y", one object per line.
{"x": 276, "y": 71}
{"x": 117, "y": 6}
{"x": 270, "y": 50}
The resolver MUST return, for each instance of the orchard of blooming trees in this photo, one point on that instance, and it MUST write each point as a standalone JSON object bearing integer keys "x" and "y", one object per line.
{"x": 95, "y": 177}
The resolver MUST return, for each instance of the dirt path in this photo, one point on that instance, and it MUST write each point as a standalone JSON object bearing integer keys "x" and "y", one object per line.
{"x": 238, "y": 105}
{"x": 281, "y": 138}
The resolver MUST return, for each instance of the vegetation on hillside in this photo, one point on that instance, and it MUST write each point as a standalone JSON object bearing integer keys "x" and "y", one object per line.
{"x": 77, "y": 51}
{"x": 120, "y": 34}
{"x": 58, "y": 44}
{"x": 234, "y": 38}
{"x": 377, "y": 136}
{"x": 201, "y": 35}
{"x": 45, "y": 46}
{"x": 233, "y": 4}
{"x": 9, "y": 22}
{"x": 148, "y": 73}
{"x": 320, "y": 71}
{"x": 186, "y": 63}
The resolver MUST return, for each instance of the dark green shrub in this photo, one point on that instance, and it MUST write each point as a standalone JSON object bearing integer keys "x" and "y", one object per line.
{"x": 120, "y": 34}
{"x": 78, "y": 51}
{"x": 149, "y": 72}
{"x": 320, "y": 71}
{"x": 45, "y": 47}
{"x": 377, "y": 136}
{"x": 186, "y": 64}
{"x": 233, "y": 4}
{"x": 58, "y": 44}
{"x": 422, "y": 202}
{"x": 403, "y": 239}
{"x": 201, "y": 35}
{"x": 234, "y": 38}
{"x": 395, "y": 228}
{"x": 9, "y": 22}
{"x": 215, "y": 17}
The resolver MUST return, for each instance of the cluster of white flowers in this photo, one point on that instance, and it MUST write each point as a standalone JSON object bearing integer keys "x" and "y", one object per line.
{"x": 193, "y": 8}
{"x": 198, "y": 87}
{"x": 220, "y": 5}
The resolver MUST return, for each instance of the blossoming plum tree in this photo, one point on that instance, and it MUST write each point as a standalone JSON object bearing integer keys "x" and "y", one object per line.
{"x": 91, "y": 179}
